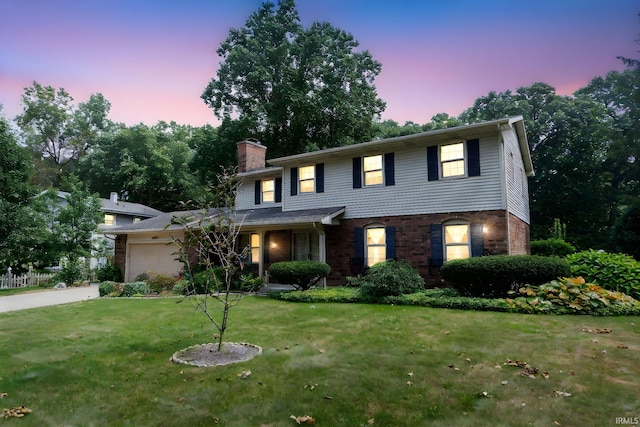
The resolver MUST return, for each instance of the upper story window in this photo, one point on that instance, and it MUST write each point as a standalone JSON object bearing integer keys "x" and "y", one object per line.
{"x": 372, "y": 169}
{"x": 457, "y": 241}
{"x": 452, "y": 159}
{"x": 307, "y": 179}
{"x": 109, "y": 219}
{"x": 268, "y": 190}
{"x": 376, "y": 245}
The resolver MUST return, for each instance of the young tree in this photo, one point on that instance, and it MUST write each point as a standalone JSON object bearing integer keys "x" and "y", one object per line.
{"x": 211, "y": 243}
{"x": 294, "y": 89}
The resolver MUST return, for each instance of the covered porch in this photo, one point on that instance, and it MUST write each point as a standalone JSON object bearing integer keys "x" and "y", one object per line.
{"x": 275, "y": 235}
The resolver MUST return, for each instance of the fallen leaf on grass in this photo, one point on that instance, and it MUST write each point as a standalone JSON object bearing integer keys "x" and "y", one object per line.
{"x": 180, "y": 399}
{"x": 410, "y": 374}
{"x": 545, "y": 375}
{"x": 303, "y": 419}
{"x": 311, "y": 386}
{"x": 597, "y": 330}
{"x": 244, "y": 374}
{"x": 409, "y": 383}
{"x": 622, "y": 346}
{"x": 328, "y": 397}
{"x": 371, "y": 421}
{"x": 15, "y": 412}
{"x": 517, "y": 363}
{"x": 562, "y": 393}
{"x": 3, "y": 395}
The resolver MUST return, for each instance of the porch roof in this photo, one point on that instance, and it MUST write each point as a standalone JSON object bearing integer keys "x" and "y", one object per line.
{"x": 271, "y": 217}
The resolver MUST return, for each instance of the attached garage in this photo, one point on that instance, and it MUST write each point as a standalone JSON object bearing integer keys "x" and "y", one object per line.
{"x": 147, "y": 246}
{"x": 159, "y": 257}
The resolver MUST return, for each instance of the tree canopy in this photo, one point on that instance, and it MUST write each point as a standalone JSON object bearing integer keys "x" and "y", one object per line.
{"x": 294, "y": 89}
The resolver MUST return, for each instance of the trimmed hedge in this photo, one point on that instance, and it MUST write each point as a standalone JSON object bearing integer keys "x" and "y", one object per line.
{"x": 495, "y": 276}
{"x": 107, "y": 288}
{"x": 301, "y": 274}
{"x": 551, "y": 247}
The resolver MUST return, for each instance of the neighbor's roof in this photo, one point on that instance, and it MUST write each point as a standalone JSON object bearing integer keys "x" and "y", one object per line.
{"x": 475, "y": 130}
{"x": 128, "y": 208}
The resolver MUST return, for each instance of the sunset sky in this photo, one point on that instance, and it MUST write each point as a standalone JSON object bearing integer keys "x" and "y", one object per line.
{"x": 153, "y": 58}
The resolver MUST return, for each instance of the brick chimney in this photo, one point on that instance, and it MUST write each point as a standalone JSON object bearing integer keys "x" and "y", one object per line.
{"x": 251, "y": 155}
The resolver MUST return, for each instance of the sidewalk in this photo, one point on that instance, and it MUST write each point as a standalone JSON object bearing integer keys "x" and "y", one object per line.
{"x": 47, "y": 297}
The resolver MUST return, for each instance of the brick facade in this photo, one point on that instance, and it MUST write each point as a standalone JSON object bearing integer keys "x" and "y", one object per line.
{"x": 120, "y": 256}
{"x": 413, "y": 240}
{"x": 520, "y": 238}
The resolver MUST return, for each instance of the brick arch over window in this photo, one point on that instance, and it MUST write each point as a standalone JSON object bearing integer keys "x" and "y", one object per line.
{"x": 439, "y": 242}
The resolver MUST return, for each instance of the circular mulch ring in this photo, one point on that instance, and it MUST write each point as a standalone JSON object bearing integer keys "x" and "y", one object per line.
{"x": 205, "y": 355}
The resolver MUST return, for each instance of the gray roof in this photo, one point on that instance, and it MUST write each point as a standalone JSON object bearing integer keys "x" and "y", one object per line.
{"x": 164, "y": 221}
{"x": 277, "y": 217}
{"x": 268, "y": 217}
{"x": 129, "y": 208}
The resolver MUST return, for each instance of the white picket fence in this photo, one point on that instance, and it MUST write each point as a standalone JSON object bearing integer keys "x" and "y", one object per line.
{"x": 22, "y": 281}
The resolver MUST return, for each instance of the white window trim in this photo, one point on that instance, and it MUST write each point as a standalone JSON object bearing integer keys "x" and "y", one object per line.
{"x": 364, "y": 171}
{"x": 300, "y": 180}
{"x": 463, "y": 159}
{"x": 444, "y": 238}
{"x": 367, "y": 245}
{"x": 272, "y": 191}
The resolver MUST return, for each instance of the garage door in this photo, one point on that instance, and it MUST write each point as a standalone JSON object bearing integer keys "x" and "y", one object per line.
{"x": 155, "y": 257}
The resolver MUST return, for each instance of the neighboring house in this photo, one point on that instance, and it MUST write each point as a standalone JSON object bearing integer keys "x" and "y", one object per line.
{"x": 116, "y": 213}
{"x": 425, "y": 198}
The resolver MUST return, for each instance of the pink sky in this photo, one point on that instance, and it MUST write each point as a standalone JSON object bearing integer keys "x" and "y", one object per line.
{"x": 153, "y": 59}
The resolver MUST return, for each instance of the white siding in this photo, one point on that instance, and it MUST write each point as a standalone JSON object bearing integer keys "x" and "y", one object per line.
{"x": 245, "y": 198}
{"x": 516, "y": 180}
{"x": 412, "y": 193}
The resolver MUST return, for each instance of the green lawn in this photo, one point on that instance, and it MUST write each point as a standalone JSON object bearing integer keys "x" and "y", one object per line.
{"x": 106, "y": 362}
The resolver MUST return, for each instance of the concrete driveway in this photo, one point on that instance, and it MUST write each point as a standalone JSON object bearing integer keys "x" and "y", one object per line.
{"x": 47, "y": 297}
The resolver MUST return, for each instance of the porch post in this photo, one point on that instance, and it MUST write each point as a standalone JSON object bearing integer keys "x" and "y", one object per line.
{"x": 261, "y": 234}
{"x": 322, "y": 248}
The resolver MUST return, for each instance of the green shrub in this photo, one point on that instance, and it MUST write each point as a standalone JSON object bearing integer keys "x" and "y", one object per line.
{"x": 301, "y": 274}
{"x": 180, "y": 288}
{"x": 206, "y": 282}
{"x": 135, "y": 288}
{"x": 495, "y": 276}
{"x": 330, "y": 294}
{"x": 551, "y": 247}
{"x": 159, "y": 283}
{"x": 107, "y": 287}
{"x": 248, "y": 283}
{"x": 389, "y": 278}
{"x": 72, "y": 272}
{"x": 615, "y": 272}
{"x": 110, "y": 272}
{"x": 143, "y": 276}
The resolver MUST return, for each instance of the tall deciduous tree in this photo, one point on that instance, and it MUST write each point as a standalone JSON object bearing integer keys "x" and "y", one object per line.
{"x": 144, "y": 165}
{"x": 57, "y": 131}
{"x": 292, "y": 88}
{"x": 569, "y": 138}
{"x": 23, "y": 233}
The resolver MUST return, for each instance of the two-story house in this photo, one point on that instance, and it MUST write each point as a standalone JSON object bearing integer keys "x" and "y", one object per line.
{"x": 425, "y": 198}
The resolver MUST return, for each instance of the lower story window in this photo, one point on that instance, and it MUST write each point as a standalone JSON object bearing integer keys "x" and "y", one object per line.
{"x": 250, "y": 243}
{"x": 306, "y": 246}
{"x": 457, "y": 242}
{"x": 376, "y": 245}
